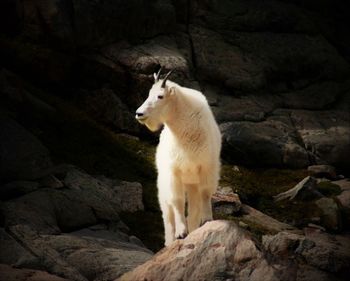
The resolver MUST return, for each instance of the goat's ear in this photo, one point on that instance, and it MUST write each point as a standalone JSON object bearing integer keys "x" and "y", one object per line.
{"x": 172, "y": 90}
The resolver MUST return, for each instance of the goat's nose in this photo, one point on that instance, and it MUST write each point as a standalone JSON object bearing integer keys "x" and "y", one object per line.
{"x": 139, "y": 114}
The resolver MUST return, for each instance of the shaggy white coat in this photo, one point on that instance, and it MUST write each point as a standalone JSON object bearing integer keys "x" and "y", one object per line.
{"x": 187, "y": 156}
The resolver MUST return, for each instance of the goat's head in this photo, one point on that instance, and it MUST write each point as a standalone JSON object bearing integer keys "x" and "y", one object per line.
{"x": 152, "y": 112}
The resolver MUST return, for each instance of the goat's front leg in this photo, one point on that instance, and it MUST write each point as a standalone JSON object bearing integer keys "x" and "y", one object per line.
{"x": 178, "y": 204}
{"x": 169, "y": 223}
{"x": 180, "y": 220}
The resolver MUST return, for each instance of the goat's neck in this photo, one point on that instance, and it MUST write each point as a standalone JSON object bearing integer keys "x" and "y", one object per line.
{"x": 179, "y": 117}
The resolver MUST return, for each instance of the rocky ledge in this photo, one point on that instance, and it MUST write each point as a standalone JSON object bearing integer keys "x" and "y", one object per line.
{"x": 221, "y": 250}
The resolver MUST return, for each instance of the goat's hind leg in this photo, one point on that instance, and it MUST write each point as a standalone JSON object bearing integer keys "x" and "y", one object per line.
{"x": 194, "y": 207}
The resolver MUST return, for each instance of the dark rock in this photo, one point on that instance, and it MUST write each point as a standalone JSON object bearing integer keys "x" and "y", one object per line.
{"x": 331, "y": 252}
{"x": 220, "y": 250}
{"x": 9, "y": 273}
{"x": 22, "y": 154}
{"x": 98, "y": 258}
{"x": 83, "y": 201}
{"x": 320, "y": 171}
{"x": 267, "y": 143}
{"x": 330, "y": 214}
{"x": 225, "y": 201}
{"x": 129, "y": 194}
{"x": 227, "y": 64}
{"x": 104, "y": 105}
{"x": 328, "y": 253}
{"x": 86, "y": 23}
{"x": 325, "y": 134}
{"x": 304, "y": 190}
{"x": 11, "y": 252}
{"x": 17, "y": 189}
{"x": 264, "y": 222}
{"x": 49, "y": 258}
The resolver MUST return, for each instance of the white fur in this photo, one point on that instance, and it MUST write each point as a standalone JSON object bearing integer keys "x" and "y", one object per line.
{"x": 187, "y": 156}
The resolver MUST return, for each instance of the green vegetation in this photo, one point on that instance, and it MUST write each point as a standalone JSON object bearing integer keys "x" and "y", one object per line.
{"x": 328, "y": 188}
{"x": 256, "y": 187}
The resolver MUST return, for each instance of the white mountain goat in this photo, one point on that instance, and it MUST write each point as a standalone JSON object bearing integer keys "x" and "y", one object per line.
{"x": 187, "y": 156}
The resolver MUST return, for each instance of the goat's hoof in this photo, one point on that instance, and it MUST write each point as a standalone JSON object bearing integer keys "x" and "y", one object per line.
{"x": 181, "y": 236}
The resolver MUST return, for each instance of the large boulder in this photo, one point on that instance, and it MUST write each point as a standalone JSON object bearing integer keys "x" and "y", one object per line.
{"x": 22, "y": 155}
{"x": 9, "y": 273}
{"x": 220, "y": 250}
{"x": 86, "y": 23}
{"x": 268, "y": 143}
{"x": 82, "y": 200}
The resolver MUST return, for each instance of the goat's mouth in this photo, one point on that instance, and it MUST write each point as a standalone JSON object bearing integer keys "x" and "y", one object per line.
{"x": 141, "y": 119}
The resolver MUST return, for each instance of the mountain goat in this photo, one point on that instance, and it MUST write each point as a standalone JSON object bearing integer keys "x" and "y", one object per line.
{"x": 187, "y": 157}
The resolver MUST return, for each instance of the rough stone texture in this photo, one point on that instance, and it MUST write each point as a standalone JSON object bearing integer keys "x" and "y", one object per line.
{"x": 98, "y": 258}
{"x": 22, "y": 155}
{"x": 321, "y": 171}
{"x": 263, "y": 221}
{"x": 90, "y": 254}
{"x": 17, "y": 188}
{"x": 9, "y": 273}
{"x": 330, "y": 213}
{"x": 220, "y": 250}
{"x": 129, "y": 194}
{"x": 225, "y": 201}
{"x": 271, "y": 140}
{"x": 11, "y": 252}
{"x": 326, "y": 134}
{"x": 106, "y": 106}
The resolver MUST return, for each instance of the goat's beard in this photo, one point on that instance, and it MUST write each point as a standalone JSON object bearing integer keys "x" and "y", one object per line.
{"x": 152, "y": 125}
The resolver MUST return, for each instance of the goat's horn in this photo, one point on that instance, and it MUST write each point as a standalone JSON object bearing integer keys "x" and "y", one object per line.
{"x": 156, "y": 77}
{"x": 166, "y": 78}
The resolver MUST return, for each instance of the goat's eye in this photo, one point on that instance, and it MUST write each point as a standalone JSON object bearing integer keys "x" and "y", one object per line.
{"x": 160, "y": 97}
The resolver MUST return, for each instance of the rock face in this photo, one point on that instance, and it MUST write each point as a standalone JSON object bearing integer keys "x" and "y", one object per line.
{"x": 276, "y": 73}
{"x": 15, "y": 274}
{"x": 220, "y": 250}
{"x": 22, "y": 154}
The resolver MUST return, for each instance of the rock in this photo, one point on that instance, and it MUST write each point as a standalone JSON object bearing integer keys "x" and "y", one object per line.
{"x": 129, "y": 194}
{"x": 304, "y": 190}
{"x": 11, "y": 252}
{"x": 228, "y": 64}
{"x": 321, "y": 171}
{"x": 98, "y": 258}
{"x": 343, "y": 183}
{"x": 225, "y": 201}
{"x": 344, "y": 199}
{"x": 220, "y": 250}
{"x": 207, "y": 247}
{"x": 88, "y": 254}
{"x": 84, "y": 200}
{"x": 104, "y": 105}
{"x": 321, "y": 251}
{"x": 49, "y": 258}
{"x": 65, "y": 23}
{"x": 9, "y": 273}
{"x": 22, "y": 154}
{"x": 267, "y": 143}
{"x": 330, "y": 214}
{"x": 263, "y": 222}
{"x": 331, "y": 253}
{"x": 325, "y": 134}
{"x": 17, "y": 188}
{"x": 51, "y": 181}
